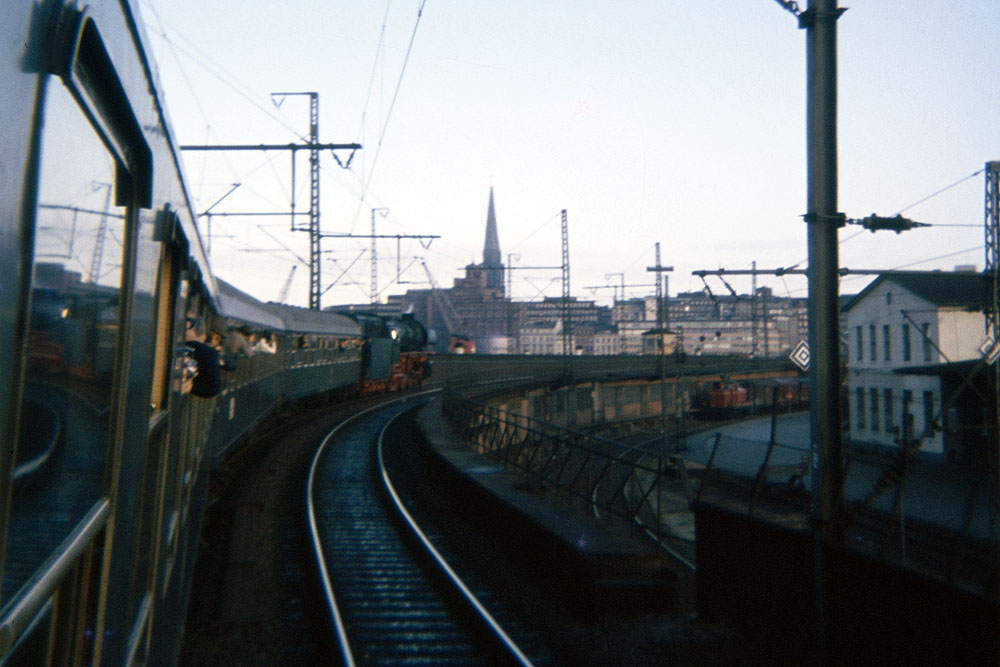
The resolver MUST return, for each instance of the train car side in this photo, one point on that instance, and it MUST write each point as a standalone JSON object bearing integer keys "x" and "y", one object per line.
{"x": 733, "y": 400}
{"x": 101, "y": 263}
{"x": 131, "y": 371}
{"x": 270, "y": 354}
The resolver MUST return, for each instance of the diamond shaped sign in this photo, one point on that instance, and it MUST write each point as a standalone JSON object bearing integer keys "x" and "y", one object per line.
{"x": 990, "y": 350}
{"x": 800, "y": 355}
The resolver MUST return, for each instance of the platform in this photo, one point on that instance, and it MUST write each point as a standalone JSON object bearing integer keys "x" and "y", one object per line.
{"x": 602, "y": 564}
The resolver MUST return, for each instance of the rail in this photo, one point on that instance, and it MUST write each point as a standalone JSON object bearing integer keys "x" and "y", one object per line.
{"x": 493, "y": 629}
{"x": 372, "y": 622}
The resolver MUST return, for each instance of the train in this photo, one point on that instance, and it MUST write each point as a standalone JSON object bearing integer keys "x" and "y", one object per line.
{"x": 735, "y": 400}
{"x": 132, "y": 371}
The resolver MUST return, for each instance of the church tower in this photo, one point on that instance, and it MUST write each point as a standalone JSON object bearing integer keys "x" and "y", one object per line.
{"x": 492, "y": 262}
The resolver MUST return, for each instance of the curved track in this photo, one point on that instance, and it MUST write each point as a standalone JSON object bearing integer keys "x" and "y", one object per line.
{"x": 391, "y": 596}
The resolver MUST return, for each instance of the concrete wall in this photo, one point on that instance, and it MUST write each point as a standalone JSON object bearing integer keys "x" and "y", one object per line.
{"x": 760, "y": 576}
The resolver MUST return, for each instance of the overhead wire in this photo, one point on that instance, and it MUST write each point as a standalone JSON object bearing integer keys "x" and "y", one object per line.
{"x": 198, "y": 57}
{"x": 858, "y": 233}
{"x": 172, "y": 50}
{"x": 219, "y": 72}
{"x": 536, "y": 231}
{"x": 375, "y": 63}
{"x": 395, "y": 96}
{"x": 931, "y": 196}
{"x": 379, "y": 57}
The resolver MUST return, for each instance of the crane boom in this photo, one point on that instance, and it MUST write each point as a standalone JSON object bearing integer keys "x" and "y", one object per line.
{"x": 286, "y": 288}
{"x": 458, "y": 342}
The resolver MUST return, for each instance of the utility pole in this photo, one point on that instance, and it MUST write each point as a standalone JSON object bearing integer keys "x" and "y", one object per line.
{"x": 315, "y": 265}
{"x": 823, "y": 220}
{"x": 208, "y": 214}
{"x": 754, "y": 330}
{"x": 992, "y": 224}
{"x": 374, "y": 295}
{"x": 373, "y": 236}
{"x": 819, "y": 21}
{"x": 566, "y": 307}
{"x": 102, "y": 231}
{"x": 659, "y": 269}
{"x": 512, "y": 346}
{"x": 314, "y": 147}
{"x": 514, "y": 335}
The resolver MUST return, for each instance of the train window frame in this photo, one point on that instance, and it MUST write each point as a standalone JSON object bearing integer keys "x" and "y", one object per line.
{"x": 82, "y": 63}
{"x": 86, "y": 68}
{"x": 167, "y": 294}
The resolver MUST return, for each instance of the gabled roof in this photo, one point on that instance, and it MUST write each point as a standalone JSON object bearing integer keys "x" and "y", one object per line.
{"x": 956, "y": 289}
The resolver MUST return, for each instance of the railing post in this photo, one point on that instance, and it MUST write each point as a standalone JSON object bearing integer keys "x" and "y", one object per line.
{"x": 708, "y": 467}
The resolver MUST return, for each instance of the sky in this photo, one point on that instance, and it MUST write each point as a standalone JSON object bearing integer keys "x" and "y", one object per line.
{"x": 648, "y": 121}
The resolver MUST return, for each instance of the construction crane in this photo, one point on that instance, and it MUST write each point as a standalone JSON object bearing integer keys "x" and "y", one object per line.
{"x": 286, "y": 288}
{"x": 458, "y": 343}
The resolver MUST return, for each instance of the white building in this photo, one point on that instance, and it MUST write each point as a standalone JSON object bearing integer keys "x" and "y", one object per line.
{"x": 898, "y": 325}
{"x": 542, "y": 337}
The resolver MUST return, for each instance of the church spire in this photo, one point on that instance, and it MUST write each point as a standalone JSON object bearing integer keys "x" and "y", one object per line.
{"x": 491, "y": 250}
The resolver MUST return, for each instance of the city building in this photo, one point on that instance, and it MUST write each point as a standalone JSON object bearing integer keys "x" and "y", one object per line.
{"x": 907, "y": 336}
{"x": 477, "y": 310}
{"x": 474, "y": 308}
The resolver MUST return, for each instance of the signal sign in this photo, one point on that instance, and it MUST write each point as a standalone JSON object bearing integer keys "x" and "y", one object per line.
{"x": 990, "y": 350}
{"x": 800, "y": 355}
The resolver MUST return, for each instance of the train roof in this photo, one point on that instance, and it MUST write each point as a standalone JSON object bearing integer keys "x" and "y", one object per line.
{"x": 303, "y": 320}
{"x": 239, "y": 305}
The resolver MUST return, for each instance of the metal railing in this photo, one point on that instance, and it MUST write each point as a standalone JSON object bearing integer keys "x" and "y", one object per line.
{"x": 637, "y": 484}
{"x": 931, "y": 515}
{"x": 936, "y": 521}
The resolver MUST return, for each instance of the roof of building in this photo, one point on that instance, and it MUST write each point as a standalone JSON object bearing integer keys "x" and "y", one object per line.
{"x": 961, "y": 289}
{"x": 960, "y": 370}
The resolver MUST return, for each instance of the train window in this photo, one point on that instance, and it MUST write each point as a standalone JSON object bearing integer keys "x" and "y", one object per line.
{"x": 66, "y": 411}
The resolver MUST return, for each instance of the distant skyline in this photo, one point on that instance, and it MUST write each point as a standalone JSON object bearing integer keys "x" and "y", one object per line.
{"x": 682, "y": 123}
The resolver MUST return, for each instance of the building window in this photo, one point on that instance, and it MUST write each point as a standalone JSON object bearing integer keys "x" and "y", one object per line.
{"x": 872, "y": 343}
{"x": 890, "y": 424}
{"x": 906, "y": 342}
{"x": 886, "y": 342}
{"x": 860, "y": 400}
{"x": 860, "y": 343}
{"x": 873, "y": 395}
{"x": 928, "y": 410}
{"x": 927, "y": 342}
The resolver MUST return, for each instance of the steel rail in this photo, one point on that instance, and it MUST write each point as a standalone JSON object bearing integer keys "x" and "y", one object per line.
{"x": 334, "y": 609}
{"x": 331, "y": 600}
{"x": 484, "y": 615}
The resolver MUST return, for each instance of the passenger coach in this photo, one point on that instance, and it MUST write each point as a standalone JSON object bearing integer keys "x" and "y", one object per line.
{"x": 129, "y": 369}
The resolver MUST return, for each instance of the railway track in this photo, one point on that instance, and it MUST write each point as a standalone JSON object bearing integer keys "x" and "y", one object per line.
{"x": 392, "y": 596}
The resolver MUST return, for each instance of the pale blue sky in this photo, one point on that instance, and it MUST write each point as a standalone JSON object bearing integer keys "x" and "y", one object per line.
{"x": 677, "y": 122}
